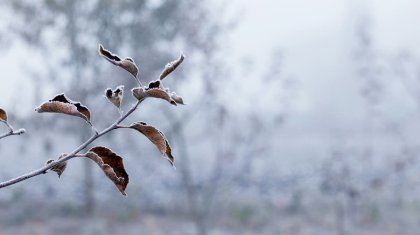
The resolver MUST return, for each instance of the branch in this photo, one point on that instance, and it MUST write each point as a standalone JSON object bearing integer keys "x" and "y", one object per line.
{"x": 73, "y": 154}
{"x": 11, "y": 131}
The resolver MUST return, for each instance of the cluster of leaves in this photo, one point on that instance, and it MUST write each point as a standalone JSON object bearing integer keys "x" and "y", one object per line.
{"x": 110, "y": 162}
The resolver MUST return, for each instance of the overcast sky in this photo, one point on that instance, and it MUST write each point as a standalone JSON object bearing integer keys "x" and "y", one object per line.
{"x": 318, "y": 39}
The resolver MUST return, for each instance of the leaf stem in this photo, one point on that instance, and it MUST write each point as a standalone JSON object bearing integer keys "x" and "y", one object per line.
{"x": 73, "y": 154}
{"x": 138, "y": 80}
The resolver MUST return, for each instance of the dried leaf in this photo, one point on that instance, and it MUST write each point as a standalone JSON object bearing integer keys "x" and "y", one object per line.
{"x": 154, "y": 84}
{"x": 127, "y": 63}
{"x": 61, "y": 104}
{"x": 178, "y": 99}
{"x": 3, "y": 115}
{"x": 111, "y": 164}
{"x": 115, "y": 96}
{"x": 162, "y": 94}
{"x": 107, "y": 54}
{"x": 59, "y": 168}
{"x": 171, "y": 158}
{"x": 140, "y": 93}
{"x": 156, "y": 137}
{"x": 152, "y": 134}
{"x": 170, "y": 67}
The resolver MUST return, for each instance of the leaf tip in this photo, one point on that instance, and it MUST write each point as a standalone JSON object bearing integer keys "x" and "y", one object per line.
{"x": 173, "y": 103}
{"x": 101, "y": 50}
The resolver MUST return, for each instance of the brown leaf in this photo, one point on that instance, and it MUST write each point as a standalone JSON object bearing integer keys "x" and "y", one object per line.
{"x": 111, "y": 164}
{"x": 61, "y": 104}
{"x": 154, "y": 84}
{"x": 171, "y": 158}
{"x": 108, "y": 55}
{"x": 127, "y": 63}
{"x": 152, "y": 134}
{"x": 115, "y": 96}
{"x": 140, "y": 93}
{"x": 170, "y": 67}
{"x": 59, "y": 168}
{"x": 160, "y": 93}
{"x": 156, "y": 137}
{"x": 3, "y": 115}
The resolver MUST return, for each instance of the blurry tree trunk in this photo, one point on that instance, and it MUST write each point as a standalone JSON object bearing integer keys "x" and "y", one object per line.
{"x": 88, "y": 183}
{"x": 201, "y": 197}
{"x": 353, "y": 213}
{"x": 186, "y": 180}
{"x": 73, "y": 33}
{"x": 340, "y": 217}
{"x": 89, "y": 202}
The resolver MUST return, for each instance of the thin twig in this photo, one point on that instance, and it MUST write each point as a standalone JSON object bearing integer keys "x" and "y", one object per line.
{"x": 11, "y": 131}
{"x": 138, "y": 81}
{"x": 71, "y": 155}
{"x": 8, "y": 125}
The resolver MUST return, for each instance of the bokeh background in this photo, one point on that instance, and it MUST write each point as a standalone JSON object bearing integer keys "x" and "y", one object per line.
{"x": 302, "y": 117}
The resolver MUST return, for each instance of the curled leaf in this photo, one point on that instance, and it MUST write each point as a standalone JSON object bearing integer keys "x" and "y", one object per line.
{"x": 160, "y": 93}
{"x": 127, "y": 63}
{"x": 61, "y": 104}
{"x": 115, "y": 96}
{"x": 140, "y": 93}
{"x": 154, "y": 84}
{"x": 60, "y": 167}
{"x": 111, "y": 164}
{"x": 170, "y": 67}
{"x": 171, "y": 158}
{"x": 3, "y": 115}
{"x": 156, "y": 137}
{"x": 152, "y": 133}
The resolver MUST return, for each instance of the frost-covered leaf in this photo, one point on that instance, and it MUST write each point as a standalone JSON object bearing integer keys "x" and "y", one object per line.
{"x": 60, "y": 167}
{"x": 61, "y": 104}
{"x": 141, "y": 93}
{"x": 156, "y": 137}
{"x": 154, "y": 84}
{"x": 170, "y": 67}
{"x": 3, "y": 115}
{"x": 111, "y": 164}
{"x": 115, "y": 96}
{"x": 127, "y": 63}
{"x": 178, "y": 99}
{"x": 160, "y": 93}
{"x": 152, "y": 133}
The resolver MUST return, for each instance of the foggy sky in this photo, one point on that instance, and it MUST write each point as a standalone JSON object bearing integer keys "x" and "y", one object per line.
{"x": 316, "y": 38}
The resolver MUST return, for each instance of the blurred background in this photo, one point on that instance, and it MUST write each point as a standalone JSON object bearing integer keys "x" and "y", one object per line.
{"x": 301, "y": 116}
